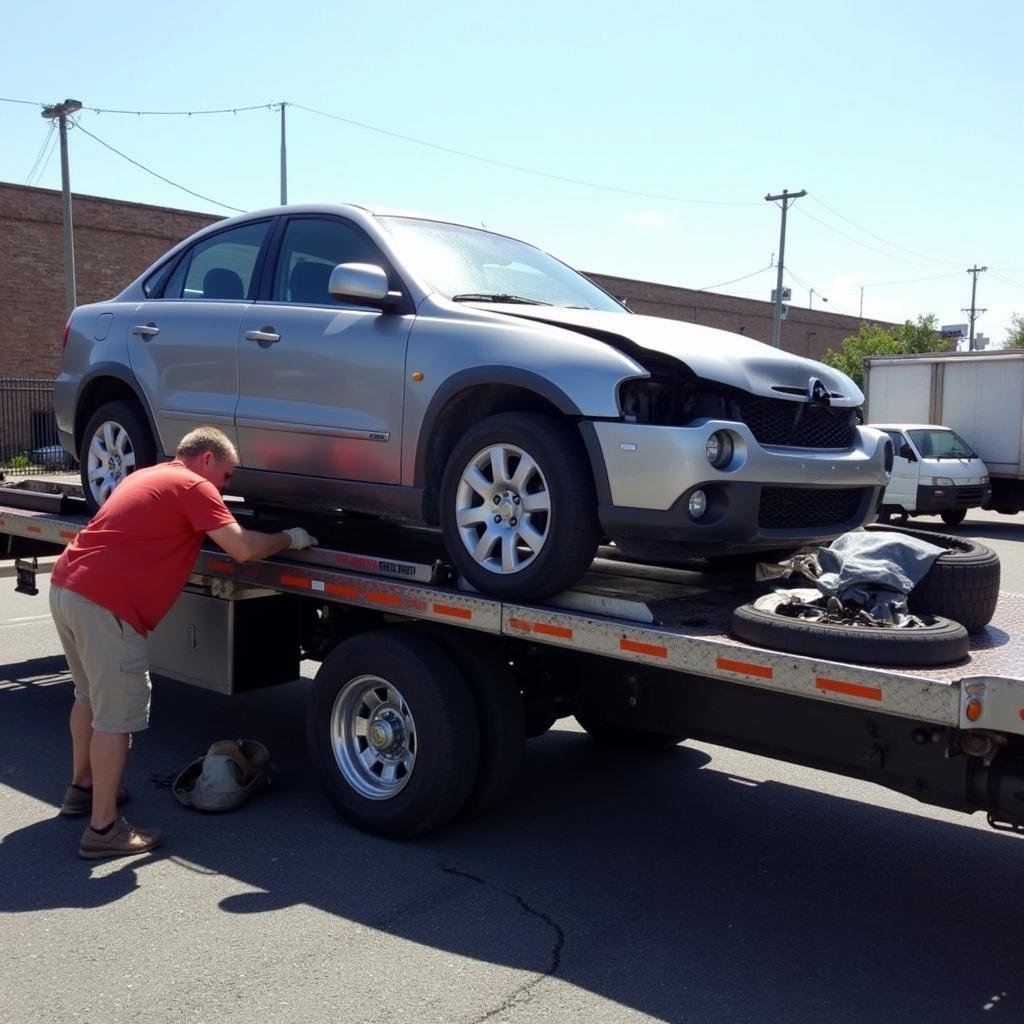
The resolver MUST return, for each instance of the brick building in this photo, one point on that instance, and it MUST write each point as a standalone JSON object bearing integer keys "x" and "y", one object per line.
{"x": 115, "y": 241}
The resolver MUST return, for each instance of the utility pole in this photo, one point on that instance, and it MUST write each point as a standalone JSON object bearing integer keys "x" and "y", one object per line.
{"x": 284, "y": 161}
{"x": 61, "y": 111}
{"x": 973, "y": 311}
{"x": 786, "y": 198}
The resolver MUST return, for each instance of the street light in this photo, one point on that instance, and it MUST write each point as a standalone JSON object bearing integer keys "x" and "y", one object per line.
{"x": 61, "y": 111}
{"x": 810, "y": 304}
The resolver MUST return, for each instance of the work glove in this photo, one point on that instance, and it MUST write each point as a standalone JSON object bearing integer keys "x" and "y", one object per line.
{"x": 298, "y": 539}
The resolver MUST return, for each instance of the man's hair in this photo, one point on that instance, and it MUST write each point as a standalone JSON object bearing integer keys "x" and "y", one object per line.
{"x": 207, "y": 439}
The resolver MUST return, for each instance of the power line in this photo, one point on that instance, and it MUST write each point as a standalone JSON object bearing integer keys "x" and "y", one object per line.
{"x": 184, "y": 113}
{"x": 913, "y": 280}
{"x": 722, "y": 284}
{"x": 856, "y": 241}
{"x": 1005, "y": 280}
{"x": 47, "y": 139}
{"x": 168, "y": 181}
{"x": 884, "y": 241}
{"x": 514, "y": 167}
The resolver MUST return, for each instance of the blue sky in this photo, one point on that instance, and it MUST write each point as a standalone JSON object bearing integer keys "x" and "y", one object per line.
{"x": 901, "y": 120}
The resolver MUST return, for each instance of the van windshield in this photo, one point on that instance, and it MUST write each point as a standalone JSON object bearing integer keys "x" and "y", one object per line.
{"x": 941, "y": 444}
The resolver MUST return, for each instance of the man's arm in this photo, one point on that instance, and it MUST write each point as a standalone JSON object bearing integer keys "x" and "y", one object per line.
{"x": 252, "y": 545}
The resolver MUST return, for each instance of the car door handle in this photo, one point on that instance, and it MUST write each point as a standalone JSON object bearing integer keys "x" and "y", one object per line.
{"x": 265, "y": 333}
{"x": 149, "y": 330}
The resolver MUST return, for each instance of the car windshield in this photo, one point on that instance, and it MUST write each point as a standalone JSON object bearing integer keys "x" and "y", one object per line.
{"x": 941, "y": 444}
{"x": 469, "y": 265}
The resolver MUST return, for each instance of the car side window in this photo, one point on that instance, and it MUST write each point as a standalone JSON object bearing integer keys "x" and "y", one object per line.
{"x": 220, "y": 267}
{"x": 897, "y": 440}
{"x": 311, "y": 248}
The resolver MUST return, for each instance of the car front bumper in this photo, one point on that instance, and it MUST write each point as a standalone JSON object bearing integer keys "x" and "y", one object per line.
{"x": 763, "y": 497}
{"x": 938, "y": 499}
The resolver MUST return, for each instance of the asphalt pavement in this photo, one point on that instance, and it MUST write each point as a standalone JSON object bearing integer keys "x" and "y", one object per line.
{"x": 697, "y": 885}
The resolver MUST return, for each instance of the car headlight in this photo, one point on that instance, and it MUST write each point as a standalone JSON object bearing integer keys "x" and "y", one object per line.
{"x": 941, "y": 481}
{"x": 985, "y": 481}
{"x": 718, "y": 449}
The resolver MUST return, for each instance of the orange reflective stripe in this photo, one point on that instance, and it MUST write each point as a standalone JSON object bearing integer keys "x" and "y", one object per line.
{"x": 64, "y": 534}
{"x": 35, "y": 529}
{"x": 222, "y": 565}
{"x": 850, "y": 689}
{"x": 745, "y": 668}
{"x": 378, "y": 597}
{"x": 559, "y": 631}
{"x": 294, "y": 581}
{"x": 455, "y": 613}
{"x": 340, "y": 591}
{"x": 519, "y": 624}
{"x": 654, "y": 650}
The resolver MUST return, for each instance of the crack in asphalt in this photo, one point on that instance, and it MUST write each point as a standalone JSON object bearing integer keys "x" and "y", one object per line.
{"x": 523, "y": 994}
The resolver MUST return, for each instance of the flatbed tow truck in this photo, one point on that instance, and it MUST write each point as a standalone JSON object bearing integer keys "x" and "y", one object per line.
{"x": 427, "y": 691}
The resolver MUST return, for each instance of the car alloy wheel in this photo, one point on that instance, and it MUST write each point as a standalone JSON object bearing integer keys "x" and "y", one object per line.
{"x": 503, "y": 509}
{"x": 111, "y": 458}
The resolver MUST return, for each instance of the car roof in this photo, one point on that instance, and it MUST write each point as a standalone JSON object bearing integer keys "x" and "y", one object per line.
{"x": 909, "y": 426}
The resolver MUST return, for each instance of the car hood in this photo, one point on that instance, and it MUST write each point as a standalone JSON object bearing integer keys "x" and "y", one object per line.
{"x": 712, "y": 354}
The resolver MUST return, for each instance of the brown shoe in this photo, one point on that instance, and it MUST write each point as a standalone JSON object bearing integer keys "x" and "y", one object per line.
{"x": 123, "y": 840}
{"x": 78, "y": 801}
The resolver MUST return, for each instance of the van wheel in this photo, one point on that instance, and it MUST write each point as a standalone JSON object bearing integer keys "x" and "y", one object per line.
{"x": 116, "y": 441}
{"x": 954, "y": 516}
{"x": 393, "y": 732}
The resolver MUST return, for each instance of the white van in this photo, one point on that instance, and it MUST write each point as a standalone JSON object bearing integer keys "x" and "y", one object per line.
{"x": 935, "y": 472}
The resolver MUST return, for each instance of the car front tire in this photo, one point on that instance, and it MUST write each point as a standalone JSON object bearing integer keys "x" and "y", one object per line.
{"x": 518, "y": 510}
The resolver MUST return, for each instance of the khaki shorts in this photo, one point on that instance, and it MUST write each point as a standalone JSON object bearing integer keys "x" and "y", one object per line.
{"x": 107, "y": 659}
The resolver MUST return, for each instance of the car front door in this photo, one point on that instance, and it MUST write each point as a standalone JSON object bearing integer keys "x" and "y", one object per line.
{"x": 183, "y": 346}
{"x": 321, "y": 382}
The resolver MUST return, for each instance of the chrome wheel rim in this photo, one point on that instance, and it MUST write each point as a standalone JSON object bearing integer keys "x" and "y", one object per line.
{"x": 373, "y": 736}
{"x": 111, "y": 458}
{"x": 503, "y": 509}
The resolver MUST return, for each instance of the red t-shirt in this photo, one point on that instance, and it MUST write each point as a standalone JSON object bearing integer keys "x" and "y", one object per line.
{"x": 136, "y": 554}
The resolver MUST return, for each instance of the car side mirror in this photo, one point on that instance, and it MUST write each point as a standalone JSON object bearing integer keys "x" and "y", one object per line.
{"x": 906, "y": 452}
{"x": 363, "y": 283}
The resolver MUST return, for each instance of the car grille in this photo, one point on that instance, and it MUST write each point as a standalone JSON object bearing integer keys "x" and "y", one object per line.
{"x": 789, "y": 508}
{"x": 797, "y": 424}
{"x": 970, "y": 493}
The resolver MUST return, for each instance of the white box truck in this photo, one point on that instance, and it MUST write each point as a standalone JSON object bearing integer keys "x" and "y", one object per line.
{"x": 980, "y": 395}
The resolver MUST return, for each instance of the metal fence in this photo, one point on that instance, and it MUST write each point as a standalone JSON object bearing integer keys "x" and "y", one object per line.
{"x": 29, "y": 443}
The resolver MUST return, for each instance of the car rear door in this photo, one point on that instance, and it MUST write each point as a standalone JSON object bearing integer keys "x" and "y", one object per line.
{"x": 321, "y": 382}
{"x": 183, "y": 346}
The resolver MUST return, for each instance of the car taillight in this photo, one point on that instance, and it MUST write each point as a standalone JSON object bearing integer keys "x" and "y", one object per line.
{"x": 64, "y": 340}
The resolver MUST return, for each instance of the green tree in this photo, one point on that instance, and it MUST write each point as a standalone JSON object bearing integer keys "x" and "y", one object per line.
{"x": 1015, "y": 333}
{"x": 872, "y": 340}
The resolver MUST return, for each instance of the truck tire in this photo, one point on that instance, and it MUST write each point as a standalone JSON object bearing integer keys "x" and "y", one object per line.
{"x": 393, "y": 732}
{"x": 116, "y": 441}
{"x": 623, "y": 737}
{"x": 954, "y": 516}
{"x": 938, "y": 642}
{"x": 518, "y": 510}
{"x": 500, "y": 715}
{"x": 962, "y": 584}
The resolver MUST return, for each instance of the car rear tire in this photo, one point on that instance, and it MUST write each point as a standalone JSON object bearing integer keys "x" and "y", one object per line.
{"x": 116, "y": 442}
{"x": 954, "y": 516}
{"x": 518, "y": 510}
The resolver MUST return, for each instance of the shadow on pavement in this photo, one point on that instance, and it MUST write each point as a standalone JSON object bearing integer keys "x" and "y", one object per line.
{"x": 658, "y": 882}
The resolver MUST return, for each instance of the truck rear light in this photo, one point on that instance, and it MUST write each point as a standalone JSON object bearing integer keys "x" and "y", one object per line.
{"x": 64, "y": 340}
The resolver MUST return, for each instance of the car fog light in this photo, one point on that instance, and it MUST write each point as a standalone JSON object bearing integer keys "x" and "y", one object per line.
{"x": 698, "y": 504}
{"x": 718, "y": 449}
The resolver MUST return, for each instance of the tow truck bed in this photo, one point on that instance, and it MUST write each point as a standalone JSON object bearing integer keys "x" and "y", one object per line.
{"x": 658, "y": 641}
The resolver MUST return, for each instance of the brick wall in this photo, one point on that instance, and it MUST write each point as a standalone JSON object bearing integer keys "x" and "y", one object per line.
{"x": 115, "y": 241}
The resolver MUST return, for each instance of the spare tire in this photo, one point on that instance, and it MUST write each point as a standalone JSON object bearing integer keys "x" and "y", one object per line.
{"x": 938, "y": 642}
{"x": 962, "y": 584}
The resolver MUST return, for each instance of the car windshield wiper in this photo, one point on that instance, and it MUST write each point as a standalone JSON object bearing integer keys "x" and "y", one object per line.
{"x": 497, "y": 297}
